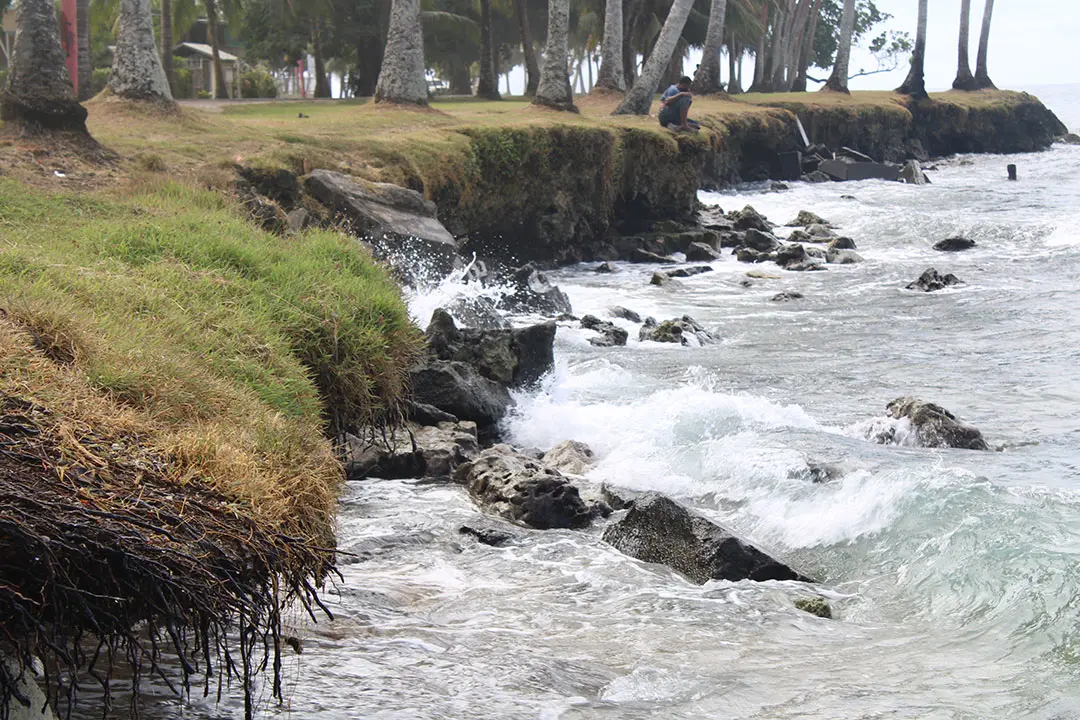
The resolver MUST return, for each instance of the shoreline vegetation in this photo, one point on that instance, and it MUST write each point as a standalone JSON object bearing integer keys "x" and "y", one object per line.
{"x": 177, "y": 381}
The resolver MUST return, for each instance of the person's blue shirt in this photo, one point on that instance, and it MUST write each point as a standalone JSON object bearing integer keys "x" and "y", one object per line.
{"x": 671, "y": 92}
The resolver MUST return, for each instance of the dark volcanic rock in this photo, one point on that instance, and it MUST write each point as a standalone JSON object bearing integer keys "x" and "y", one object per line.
{"x": 533, "y": 293}
{"x": 685, "y": 272}
{"x": 931, "y": 280}
{"x": 912, "y": 174}
{"x": 749, "y": 218}
{"x": 749, "y": 255}
{"x": 683, "y": 331}
{"x": 610, "y": 334}
{"x": 487, "y": 536}
{"x": 416, "y": 451}
{"x": 519, "y": 488}
{"x": 935, "y": 426}
{"x": 842, "y": 243}
{"x": 399, "y": 223}
{"x": 570, "y": 456}
{"x": 625, "y": 314}
{"x": 659, "y": 530}
{"x": 805, "y": 218}
{"x": 843, "y": 257}
{"x": 761, "y": 241}
{"x": 792, "y": 254}
{"x": 954, "y": 244}
{"x": 515, "y": 357}
{"x": 820, "y": 231}
{"x": 787, "y": 296}
{"x": 644, "y": 256}
{"x": 605, "y": 268}
{"x": 428, "y": 414}
{"x": 477, "y": 312}
{"x": 455, "y": 387}
{"x": 700, "y": 252}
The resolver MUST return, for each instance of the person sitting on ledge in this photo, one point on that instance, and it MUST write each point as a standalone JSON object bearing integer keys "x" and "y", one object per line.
{"x": 675, "y": 105}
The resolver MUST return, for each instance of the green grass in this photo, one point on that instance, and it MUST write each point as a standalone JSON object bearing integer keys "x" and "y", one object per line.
{"x": 230, "y": 344}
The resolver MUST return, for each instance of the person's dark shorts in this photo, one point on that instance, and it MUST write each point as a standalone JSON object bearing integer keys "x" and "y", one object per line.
{"x": 672, "y": 114}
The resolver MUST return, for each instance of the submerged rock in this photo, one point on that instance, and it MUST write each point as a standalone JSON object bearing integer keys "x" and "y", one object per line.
{"x": 842, "y": 243}
{"x": 683, "y": 331}
{"x": 794, "y": 257}
{"x": 624, "y": 313}
{"x": 487, "y": 536}
{"x": 815, "y": 606}
{"x": 842, "y": 257}
{"x": 685, "y": 272}
{"x": 605, "y": 268}
{"x": 931, "y": 281}
{"x": 749, "y": 255}
{"x": 645, "y": 257}
{"x": 571, "y": 456}
{"x": 514, "y": 486}
{"x": 611, "y": 335}
{"x": 533, "y": 293}
{"x": 954, "y": 244}
{"x": 659, "y": 530}
{"x": 477, "y": 312}
{"x": 787, "y": 296}
{"x": 399, "y": 223}
{"x": 820, "y": 230}
{"x": 700, "y": 252}
{"x": 805, "y": 218}
{"x": 912, "y": 174}
{"x": 936, "y": 427}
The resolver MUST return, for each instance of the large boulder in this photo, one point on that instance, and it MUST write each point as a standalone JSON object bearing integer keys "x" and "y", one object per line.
{"x": 399, "y": 223}
{"x": 700, "y": 252}
{"x": 457, "y": 388}
{"x": 519, "y": 488}
{"x": 414, "y": 451}
{"x": 532, "y": 292}
{"x": 571, "y": 456}
{"x": 611, "y": 335}
{"x": 749, "y": 218}
{"x": 658, "y": 530}
{"x": 516, "y": 357}
{"x": 931, "y": 281}
{"x": 912, "y": 174}
{"x": 842, "y": 257}
{"x": 936, "y": 427}
{"x": 477, "y": 312}
{"x": 682, "y": 331}
{"x": 805, "y": 218}
{"x": 760, "y": 240}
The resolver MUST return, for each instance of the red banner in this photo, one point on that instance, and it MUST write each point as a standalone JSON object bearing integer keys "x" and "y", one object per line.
{"x": 69, "y": 38}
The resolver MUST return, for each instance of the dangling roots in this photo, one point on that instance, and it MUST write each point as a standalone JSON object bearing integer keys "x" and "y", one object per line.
{"x": 102, "y": 561}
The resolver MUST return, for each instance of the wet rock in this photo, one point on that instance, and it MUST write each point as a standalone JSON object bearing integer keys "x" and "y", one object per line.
{"x": 300, "y": 220}
{"x": 954, "y": 244}
{"x": 662, "y": 280}
{"x": 487, "y": 536}
{"x": 518, "y": 488}
{"x": 413, "y": 452}
{"x": 457, "y": 388}
{"x": 750, "y": 219}
{"x": 842, "y": 243}
{"x": 618, "y": 498}
{"x": 22, "y": 697}
{"x": 815, "y": 253}
{"x": 787, "y": 296}
{"x": 805, "y": 218}
{"x": 1069, "y": 139}
{"x": 400, "y": 224}
{"x": 842, "y": 257}
{"x": 801, "y": 236}
{"x": 683, "y": 331}
{"x": 935, "y": 426}
{"x": 625, "y": 314}
{"x": 749, "y": 255}
{"x": 816, "y": 177}
{"x": 605, "y": 268}
{"x": 762, "y": 275}
{"x": 792, "y": 254}
{"x": 732, "y": 239}
{"x": 611, "y": 335}
{"x": 572, "y": 457}
{"x": 533, "y": 293}
{"x": 477, "y": 312}
{"x": 685, "y": 272}
{"x": 645, "y": 257}
{"x": 824, "y": 472}
{"x": 815, "y": 606}
{"x": 761, "y": 241}
{"x": 931, "y": 280}
{"x": 916, "y": 151}
{"x": 912, "y": 174}
{"x": 659, "y": 530}
{"x": 427, "y": 414}
{"x": 846, "y": 153}
{"x": 820, "y": 231}
{"x": 700, "y": 252}
{"x": 516, "y": 357}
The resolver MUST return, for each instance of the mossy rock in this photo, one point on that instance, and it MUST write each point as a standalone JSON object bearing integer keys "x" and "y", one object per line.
{"x": 815, "y": 606}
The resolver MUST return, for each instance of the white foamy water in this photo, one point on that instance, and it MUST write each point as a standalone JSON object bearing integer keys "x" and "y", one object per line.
{"x": 954, "y": 575}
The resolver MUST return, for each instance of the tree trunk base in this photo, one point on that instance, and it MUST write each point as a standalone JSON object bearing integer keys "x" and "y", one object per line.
{"x": 835, "y": 85}
{"x": 561, "y": 105}
{"x": 965, "y": 81}
{"x": 35, "y": 115}
{"x": 983, "y": 82}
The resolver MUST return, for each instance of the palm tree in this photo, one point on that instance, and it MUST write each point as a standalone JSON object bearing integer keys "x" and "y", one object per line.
{"x": 39, "y": 94}
{"x": 707, "y": 77}
{"x": 838, "y": 80}
{"x": 554, "y": 90}
{"x": 611, "y": 50}
{"x": 487, "y": 85}
{"x": 167, "y": 42}
{"x": 964, "y": 80}
{"x": 137, "y": 73}
{"x": 322, "y": 82}
{"x": 221, "y": 89}
{"x": 532, "y": 68}
{"x": 82, "y": 31}
{"x": 982, "y": 76}
{"x": 639, "y": 98}
{"x": 402, "y": 79}
{"x": 915, "y": 83}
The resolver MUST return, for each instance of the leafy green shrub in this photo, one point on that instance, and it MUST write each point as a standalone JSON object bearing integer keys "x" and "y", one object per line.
{"x": 99, "y": 80}
{"x": 258, "y": 83}
{"x": 181, "y": 78}
{"x": 204, "y": 95}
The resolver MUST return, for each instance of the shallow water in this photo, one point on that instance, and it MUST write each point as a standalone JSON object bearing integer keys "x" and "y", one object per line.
{"x": 953, "y": 575}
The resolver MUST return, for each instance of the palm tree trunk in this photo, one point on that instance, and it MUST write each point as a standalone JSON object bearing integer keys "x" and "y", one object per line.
{"x": 759, "y": 52}
{"x": 807, "y": 48}
{"x": 734, "y": 57}
{"x": 167, "y": 44}
{"x": 39, "y": 94}
{"x": 707, "y": 77}
{"x": 838, "y": 80}
{"x": 554, "y": 90}
{"x": 221, "y": 90}
{"x": 631, "y": 11}
{"x": 639, "y": 98}
{"x": 611, "y": 75}
{"x": 82, "y": 29}
{"x": 528, "y": 48}
{"x": 487, "y": 87}
{"x": 136, "y": 72}
{"x": 982, "y": 75}
{"x": 322, "y": 82}
{"x": 402, "y": 79}
{"x": 964, "y": 79}
{"x": 915, "y": 83}
{"x": 460, "y": 80}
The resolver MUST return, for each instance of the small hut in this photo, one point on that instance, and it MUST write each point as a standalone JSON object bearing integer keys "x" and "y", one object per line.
{"x": 198, "y": 58}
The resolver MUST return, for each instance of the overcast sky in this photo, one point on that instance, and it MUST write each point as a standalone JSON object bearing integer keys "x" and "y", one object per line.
{"x": 1032, "y": 42}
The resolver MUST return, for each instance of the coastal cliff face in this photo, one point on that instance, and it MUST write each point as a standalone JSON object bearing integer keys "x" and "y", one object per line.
{"x": 556, "y": 193}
